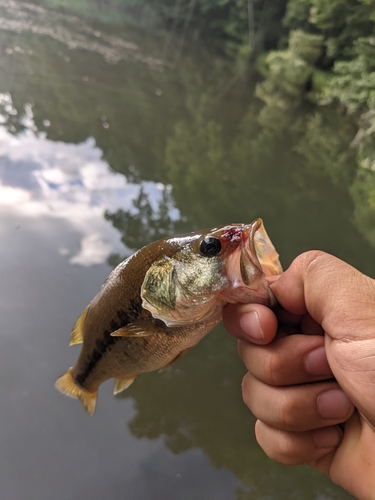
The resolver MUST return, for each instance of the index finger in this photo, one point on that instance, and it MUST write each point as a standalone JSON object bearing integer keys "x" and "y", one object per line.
{"x": 254, "y": 323}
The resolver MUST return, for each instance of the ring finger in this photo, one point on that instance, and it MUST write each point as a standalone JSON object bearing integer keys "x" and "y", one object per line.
{"x": 298, "y": 407}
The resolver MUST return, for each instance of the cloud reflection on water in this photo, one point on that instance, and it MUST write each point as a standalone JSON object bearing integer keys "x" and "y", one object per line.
{"x": 71, "y": 182}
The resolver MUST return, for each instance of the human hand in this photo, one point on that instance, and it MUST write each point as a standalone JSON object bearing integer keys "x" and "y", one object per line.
{"x": 311, "y": 366}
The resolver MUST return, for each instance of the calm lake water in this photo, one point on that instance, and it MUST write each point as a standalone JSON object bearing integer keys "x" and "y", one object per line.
{"x": 111, "y": 136}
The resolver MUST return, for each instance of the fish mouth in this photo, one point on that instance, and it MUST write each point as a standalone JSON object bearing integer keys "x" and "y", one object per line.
{"x": 258, "y": 251}
{"x": 258, "y": 258}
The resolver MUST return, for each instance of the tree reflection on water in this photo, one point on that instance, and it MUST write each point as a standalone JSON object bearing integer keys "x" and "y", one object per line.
{"x": 144, "y": 223}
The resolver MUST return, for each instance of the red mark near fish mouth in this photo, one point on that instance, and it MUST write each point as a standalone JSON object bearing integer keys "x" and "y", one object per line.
{"x": 233, "y": 235}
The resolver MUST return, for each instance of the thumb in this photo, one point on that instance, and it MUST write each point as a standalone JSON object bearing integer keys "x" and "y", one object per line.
{"x": 335, "y": 294}
{"x": 342, "y": 301}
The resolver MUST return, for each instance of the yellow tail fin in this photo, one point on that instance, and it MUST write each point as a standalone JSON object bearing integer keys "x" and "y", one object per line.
{"x": 66, "y": 385}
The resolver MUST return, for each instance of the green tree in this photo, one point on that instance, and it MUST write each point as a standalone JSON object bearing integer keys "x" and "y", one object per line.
{"x": 288, "y": 74}
{"x": 341, "y": 22}
{"x": 353, "y": 82}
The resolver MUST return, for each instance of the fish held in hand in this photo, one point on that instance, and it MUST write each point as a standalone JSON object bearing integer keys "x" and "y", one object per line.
{"x": 163, "y": 300}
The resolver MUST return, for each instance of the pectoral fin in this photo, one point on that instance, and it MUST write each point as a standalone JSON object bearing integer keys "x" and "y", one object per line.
{"x": 76, "y": 337}
{"x": 159, "y": 291}
{"x": 123, "y": 383}
{"x": 141, "y": 329}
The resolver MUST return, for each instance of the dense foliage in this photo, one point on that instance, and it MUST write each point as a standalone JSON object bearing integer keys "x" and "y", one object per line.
{"x": 330, "y": 61}
{"x": 323, "y": 63}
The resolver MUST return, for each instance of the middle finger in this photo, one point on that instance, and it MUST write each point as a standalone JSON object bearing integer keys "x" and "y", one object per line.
{"x": 288, "y": 360}
{"x": 296, "y": 408}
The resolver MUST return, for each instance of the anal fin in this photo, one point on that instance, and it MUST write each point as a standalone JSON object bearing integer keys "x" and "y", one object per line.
{"x": 67, "y": 386}
{"x": 123, "y": 383}
{"x": 76, "y": 337}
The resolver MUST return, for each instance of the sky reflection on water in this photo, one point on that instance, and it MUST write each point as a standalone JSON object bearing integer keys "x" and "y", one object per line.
{"x": 71, "y": 182}
{"x": 52, "y": 199}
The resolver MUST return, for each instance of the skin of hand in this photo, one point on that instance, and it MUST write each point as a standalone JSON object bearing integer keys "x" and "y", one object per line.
{"x": 311, "y": 369}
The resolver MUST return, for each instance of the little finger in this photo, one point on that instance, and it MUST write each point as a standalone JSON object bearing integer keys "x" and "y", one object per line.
{"x": 297, "y": 448}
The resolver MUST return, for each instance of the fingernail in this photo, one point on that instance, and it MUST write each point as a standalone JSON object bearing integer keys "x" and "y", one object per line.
{"x": 327, "y": 437}
{"x": 316, "y": 362}
{"x": 334, "y": 404}
{"x": 250, "y": 325}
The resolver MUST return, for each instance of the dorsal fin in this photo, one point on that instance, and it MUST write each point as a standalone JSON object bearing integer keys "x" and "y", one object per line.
{"x": 76, "y": 337}
{"x": 123, "y": 383}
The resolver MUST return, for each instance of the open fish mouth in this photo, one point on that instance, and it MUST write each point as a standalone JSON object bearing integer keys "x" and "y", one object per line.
{"x": 265, "y": 251}
{"x": 258, "y": 253}
{"x": 258, "y": 256}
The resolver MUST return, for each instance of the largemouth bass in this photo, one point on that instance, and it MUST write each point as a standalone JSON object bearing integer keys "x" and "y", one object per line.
{"x": 163, "y": 300}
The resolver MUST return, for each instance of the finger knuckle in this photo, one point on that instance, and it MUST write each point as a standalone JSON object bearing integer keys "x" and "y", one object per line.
{"x": 287, "y": 451}
{"x": 289, "y": 413}
{"x": 242, "y": 348}
{"x": 308, "y": 260}
{"x": 273, "y": 367}
{"x": 282, "y": 448}
{"x": 246, "y": 390}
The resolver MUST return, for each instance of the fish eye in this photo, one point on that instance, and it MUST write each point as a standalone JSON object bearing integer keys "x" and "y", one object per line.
{"x": 210, "y": 246}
